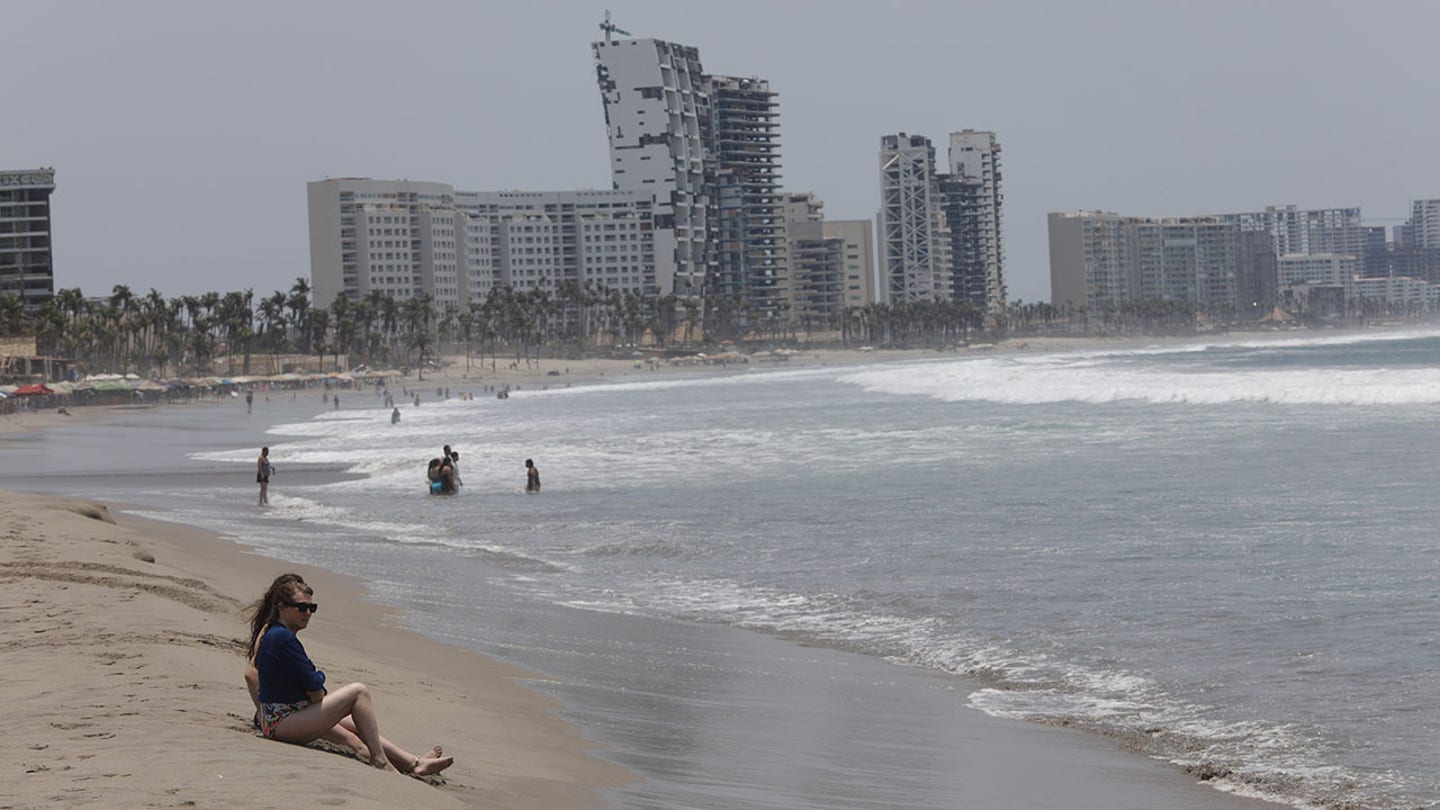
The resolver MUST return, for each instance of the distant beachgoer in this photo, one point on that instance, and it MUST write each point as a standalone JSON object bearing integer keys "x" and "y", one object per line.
{"x": 417, "y": 400}
{"x": 263, "y": 470}
{"x": 292, "y": 702}
{"x": 395, "y": 417}
{"x": 532, "y": 476}
{"x": 455, "y": 469}
{"x": 249, "y": 400}
{"x": 336, "y": 400}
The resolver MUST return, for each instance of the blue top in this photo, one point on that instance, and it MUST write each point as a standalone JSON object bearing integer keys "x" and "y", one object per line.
{"x": 286, "y": 672}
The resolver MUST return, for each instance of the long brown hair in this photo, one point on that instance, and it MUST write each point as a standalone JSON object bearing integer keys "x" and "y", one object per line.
{"x": 266, "y": 611}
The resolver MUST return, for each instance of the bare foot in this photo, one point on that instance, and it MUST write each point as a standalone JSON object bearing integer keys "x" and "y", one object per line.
{"x": 434, "y": 753}
{"x": 429, "y": 766}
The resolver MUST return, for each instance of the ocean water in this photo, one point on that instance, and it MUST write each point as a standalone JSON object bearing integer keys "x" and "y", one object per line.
{"x": 1222, "y": 554}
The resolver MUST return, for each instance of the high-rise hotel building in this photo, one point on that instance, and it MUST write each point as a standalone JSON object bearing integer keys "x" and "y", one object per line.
{"x": 658, "y": 117}
{"x": 27, "y": 266}
{"x": 406, "y": 239}
{"x": 1101, "y": 260}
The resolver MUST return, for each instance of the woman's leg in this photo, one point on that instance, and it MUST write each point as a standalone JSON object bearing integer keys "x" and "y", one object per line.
{"x": 431, "y": 762}
{"x": 318, "y": 719}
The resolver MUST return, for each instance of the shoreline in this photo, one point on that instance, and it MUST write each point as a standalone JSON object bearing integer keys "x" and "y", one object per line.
{"x": 608, "y": 369}
{"x": 124, "y": 646}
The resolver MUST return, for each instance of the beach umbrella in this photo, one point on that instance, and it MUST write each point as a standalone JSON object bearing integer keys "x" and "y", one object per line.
{"x": 637, "y": 354}
{"x": 112, "y": 385}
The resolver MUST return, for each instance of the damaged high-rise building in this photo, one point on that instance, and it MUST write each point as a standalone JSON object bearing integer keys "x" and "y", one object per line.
{"x": 914, "y": 231}
{"x": 658, "y": 118}
{"x": 707, "y": 148}
{"x": 752, "y": 255}
{"x": 972, "y": 202}
{"x": 940, "y": 233}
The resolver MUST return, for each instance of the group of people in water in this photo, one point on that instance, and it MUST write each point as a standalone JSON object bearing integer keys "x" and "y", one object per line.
{"x": 292, "y": 702}
{"x": 444, "y": 473}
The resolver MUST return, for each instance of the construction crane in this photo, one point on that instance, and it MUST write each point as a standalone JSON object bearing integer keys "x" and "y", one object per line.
{"x": 609, "y": 27}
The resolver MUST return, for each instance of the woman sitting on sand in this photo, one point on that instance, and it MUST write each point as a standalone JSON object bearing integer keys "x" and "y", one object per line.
{"x": 290, "y": 693}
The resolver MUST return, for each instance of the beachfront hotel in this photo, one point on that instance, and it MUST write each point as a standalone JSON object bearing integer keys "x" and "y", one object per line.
{"x": 27, "y": 265}
{"x": 405, "y": 239}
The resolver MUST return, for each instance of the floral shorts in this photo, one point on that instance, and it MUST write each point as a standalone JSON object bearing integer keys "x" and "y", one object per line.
{"x": 272, "y": 713}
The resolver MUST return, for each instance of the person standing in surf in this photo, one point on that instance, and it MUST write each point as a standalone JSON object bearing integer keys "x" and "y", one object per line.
{"x": 532, "y": 476}
{"x": 263, "y": 469}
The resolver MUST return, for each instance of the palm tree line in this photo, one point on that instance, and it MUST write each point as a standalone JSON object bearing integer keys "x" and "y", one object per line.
{"x": 153, "y": 335}
{"x": 157, "y": 336}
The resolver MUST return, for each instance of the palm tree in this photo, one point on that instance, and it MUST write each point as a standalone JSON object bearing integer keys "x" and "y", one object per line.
{"x": 299, "y": 303}
{"x": 13, "y": 320}
{"x": 417, "y": 314}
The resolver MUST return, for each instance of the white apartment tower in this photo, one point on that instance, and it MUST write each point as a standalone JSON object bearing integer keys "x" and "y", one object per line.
{"x": 1092, "y": 260}
{"x": 1424, "y": 226}
{"x": 914, "y": 233}
{"x": 973, "y": 202}
{"x": 1299, "y": 231}
{"x": 1100, "y": 261}
{"x": 404, "y": 239}
{"x": 658, "y": 118}
{"x": 400, "y": 238}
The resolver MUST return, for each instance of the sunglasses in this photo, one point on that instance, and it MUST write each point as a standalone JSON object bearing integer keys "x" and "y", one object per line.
{"x": 303, "y": 607}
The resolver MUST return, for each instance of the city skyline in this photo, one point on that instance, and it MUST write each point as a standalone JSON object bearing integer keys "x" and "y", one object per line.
{"x": 1106, "y": 108}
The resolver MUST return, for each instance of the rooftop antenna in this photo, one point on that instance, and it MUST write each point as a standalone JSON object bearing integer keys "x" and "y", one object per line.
{"x": 609, "y": 27}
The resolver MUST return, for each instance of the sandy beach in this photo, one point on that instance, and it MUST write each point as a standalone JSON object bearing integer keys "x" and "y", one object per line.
{"x": 123, "y": 657}
{"x": 123, "y": 660}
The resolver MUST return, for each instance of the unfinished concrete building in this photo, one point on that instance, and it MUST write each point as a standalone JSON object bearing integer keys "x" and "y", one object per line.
{"x": 751, "y": 255}
{"x": 914, "y": 233}
{"x": 973, "y": 201}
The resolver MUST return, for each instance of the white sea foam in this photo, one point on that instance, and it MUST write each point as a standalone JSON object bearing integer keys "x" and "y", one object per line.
{"x": 1061, "y": 378}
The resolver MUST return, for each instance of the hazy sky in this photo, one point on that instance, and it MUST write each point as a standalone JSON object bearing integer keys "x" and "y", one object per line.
{"x": 183, "y": 133}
